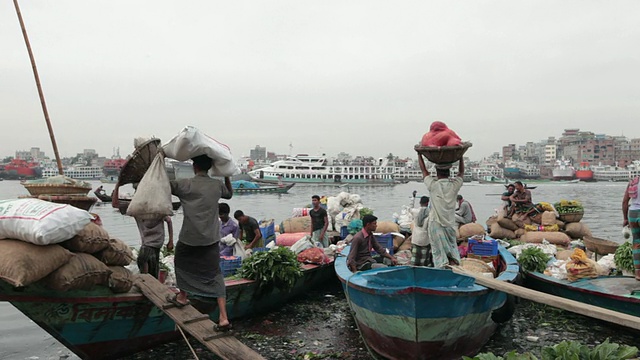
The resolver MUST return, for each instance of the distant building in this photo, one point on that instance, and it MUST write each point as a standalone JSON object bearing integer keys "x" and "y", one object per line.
{"x": 32, "y": 155}
{"x": 259, "y": 153}
{"x": 509, "y": 152}
{"x": 550, "y": 154}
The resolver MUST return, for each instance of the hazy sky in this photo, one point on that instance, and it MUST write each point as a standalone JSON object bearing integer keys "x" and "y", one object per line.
{"x": 365, "y": 77}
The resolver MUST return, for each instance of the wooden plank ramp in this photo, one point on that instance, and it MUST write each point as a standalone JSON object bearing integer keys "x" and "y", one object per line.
{"x": 194, "y": 322}
{"x": 577, "y": 307}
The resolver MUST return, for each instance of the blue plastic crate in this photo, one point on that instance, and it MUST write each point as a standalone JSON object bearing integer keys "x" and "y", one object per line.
{"x": 268, "y": 230}
{"x": 487, "y": 247}
{"x": 344, "y": 232}
{"x": 386, "y": 241}
{"x": 259, "y": 249}
{"x": 230, "y": 264}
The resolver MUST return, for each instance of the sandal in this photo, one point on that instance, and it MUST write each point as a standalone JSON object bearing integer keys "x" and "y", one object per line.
{"x": 223, "y": 328}
{"x": 174, "y": 300}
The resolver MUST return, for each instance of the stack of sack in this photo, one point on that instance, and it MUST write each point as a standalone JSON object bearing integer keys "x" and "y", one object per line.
{"x": 343, "y": 208}
{"x": 59, "y": 246}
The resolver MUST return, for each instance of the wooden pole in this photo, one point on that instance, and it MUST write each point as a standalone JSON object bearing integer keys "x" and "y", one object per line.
{"x": 40, "y": 93}
{"x": 577, "y": 307}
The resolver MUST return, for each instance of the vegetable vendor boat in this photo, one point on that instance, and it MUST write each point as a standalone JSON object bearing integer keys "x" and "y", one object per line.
{"x": 617, "y": 293}
{"x": 99, "y": 324}
{"x": 409, "y": 312}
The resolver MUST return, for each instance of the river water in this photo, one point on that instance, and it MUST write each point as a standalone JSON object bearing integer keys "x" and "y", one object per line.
{"x": 22, "y": 339}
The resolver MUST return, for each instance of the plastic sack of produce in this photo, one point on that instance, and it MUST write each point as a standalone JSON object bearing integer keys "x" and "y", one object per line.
{"x": 152, "y": 199}
{"x": 313, "y": 256}
{"x": 580, "y": 266}
{"x": 40, "y": 222}
{"x": 300, "y": 212}
{"x": 440, "y": 135}
{"x": 191, "y": 142}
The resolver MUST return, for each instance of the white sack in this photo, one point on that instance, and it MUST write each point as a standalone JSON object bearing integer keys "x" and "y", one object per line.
{"x": 191, "y": 142}
{"x": 40, "y": 222}
{"x": 152, "y": 199}
{"x": 302, "y": 245}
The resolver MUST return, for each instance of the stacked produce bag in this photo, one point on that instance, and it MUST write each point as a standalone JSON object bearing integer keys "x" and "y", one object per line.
{"x": 60, "y": 247}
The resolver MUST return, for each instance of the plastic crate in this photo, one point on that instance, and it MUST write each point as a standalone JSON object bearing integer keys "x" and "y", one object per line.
{"x": 230, "y": 264}
{"x": 386, "y": 241}
{"x": 259, "y": 249}
{"x": 268, "y": 230}
{"x": 344, "y": 232}
{"x": 487, "y": 247}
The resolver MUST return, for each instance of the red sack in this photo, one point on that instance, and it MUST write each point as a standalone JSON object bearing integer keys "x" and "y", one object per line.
{"x": 288, "y": 239}
{"x": 314, "y": 256}
{"x": 440, "y": 135}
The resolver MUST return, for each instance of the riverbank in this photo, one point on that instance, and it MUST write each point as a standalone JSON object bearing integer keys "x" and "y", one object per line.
{"x": 319, "y": 326}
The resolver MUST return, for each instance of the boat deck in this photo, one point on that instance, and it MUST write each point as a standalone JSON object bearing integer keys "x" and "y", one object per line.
{"x": 617, "y": 285}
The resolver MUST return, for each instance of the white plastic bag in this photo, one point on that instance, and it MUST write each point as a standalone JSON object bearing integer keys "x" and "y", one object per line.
{"x": 191, "y": 142}
{"x": 152, "y": 199}
{"x": 302, "y": 245}
{"x": 40, "y": 222}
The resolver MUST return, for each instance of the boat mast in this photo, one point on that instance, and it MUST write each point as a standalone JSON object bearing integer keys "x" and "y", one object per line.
{"x": 40, "y": 93}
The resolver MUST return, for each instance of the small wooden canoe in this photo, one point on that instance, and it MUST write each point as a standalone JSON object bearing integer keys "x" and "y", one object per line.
{"x": 600, "y": 246}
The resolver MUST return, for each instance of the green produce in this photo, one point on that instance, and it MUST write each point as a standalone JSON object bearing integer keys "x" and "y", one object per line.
{"x": 623, "y": 257}
{"x": 570, "y": 350}
{"x": 278, "y": 267}
{"x": 365, "y": 211}
{"x": 533, "y": 259}
{"x": 569, "y": 207}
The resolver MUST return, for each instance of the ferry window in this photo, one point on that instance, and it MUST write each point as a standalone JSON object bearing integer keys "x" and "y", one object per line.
{"x": 331, "y": 176}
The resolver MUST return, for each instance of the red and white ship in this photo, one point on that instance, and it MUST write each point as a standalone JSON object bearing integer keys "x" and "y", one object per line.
{"x": 584, "y": 172}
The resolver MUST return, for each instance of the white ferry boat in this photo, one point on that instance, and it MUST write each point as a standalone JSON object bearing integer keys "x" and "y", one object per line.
{"x": 563, "y": 170}
{"x": 615, "y": 173}
{"x": 317, "y": 170}
{"x": 76, "y": 172}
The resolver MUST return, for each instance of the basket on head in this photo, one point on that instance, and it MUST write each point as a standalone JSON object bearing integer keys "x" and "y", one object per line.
{"x": 56, "y": 189}
{"x": 135, "y": 167}
{"x": 443, "y": 154}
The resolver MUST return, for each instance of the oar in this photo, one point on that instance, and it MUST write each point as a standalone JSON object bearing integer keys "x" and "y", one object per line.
{"x": 595, "y": 312}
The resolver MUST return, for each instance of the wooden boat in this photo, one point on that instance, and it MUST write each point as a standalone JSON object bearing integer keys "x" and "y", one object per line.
{"x": 616, "y": 293}
{"x": 99, "y": 324}
{"x": 278, "y": 189}
{"x": 407, "y": 312}
{"x": 600, "y": 246}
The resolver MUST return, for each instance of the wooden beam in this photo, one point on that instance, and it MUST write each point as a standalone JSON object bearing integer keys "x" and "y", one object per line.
{"x": 577, "y": 307}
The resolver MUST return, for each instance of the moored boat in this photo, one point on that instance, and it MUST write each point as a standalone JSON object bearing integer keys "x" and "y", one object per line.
{"x": 410, "y": 312}
{"x": 263, "y": 189}
{"x": 99, "y": 325}
{"x": 617, "y": 293}
{"x": 563, "y": 170}
{"x": 584, "y": 172}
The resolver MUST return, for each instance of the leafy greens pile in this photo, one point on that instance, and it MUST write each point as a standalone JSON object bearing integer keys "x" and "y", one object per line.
{"x": 278, "y": 267}
{"x": 571, "y": 350}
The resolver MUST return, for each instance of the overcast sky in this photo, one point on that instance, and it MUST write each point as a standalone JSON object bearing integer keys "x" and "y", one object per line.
{"x": 364, "y": 77}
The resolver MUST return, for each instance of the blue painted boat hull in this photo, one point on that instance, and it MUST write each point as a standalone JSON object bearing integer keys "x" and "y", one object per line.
{"x": 422, "y": 313}
{"x": 98, "y": 324}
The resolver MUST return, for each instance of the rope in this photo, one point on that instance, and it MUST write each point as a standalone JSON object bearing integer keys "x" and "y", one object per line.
{"x": 353, "y": 313}
{"x": 187, "y": 341}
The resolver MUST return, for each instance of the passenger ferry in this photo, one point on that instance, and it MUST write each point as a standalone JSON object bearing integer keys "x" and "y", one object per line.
{"x": 76, "y": 172}
{"x": 317, "y": 170}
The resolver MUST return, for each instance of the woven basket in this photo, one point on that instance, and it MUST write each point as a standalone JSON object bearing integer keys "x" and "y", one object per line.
{"x": 600, "y": 246}
{"x": 443, "y": 154}
{"x": 56, "y": 189}
{"x": 80, "y": 201}
{"x": 573, "y": 217}
{"x": 477, "y": 266}
{"x": 135, "y": 167}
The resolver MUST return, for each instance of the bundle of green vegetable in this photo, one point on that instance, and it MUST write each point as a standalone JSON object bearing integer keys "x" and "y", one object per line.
{"x": 569, "y": 207}
{"x": 533, "y": 259}
{"x": 365, "y": 211}
{"x": 623, "y": 257}
{"x": 278, "y": 267}
{"x": 570, "y": 350}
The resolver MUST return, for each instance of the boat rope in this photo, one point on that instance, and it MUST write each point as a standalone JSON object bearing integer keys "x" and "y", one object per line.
{"x": 355, "y": 319}
{"x": 187, "y": 341}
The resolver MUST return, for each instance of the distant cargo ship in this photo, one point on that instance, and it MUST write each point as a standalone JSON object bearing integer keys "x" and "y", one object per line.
{"x": 20, "y": 169}
{"x": 563, "y": 170}
{"x": 584, "y": 172}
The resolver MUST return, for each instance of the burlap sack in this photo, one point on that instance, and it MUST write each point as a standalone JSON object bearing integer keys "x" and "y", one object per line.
{"x": 23, "y": 263}
{"x": 406, "y": 245}
{"x": 294, "y": 225}
{"x": 491, "y": 220}
{"x": 577, "y": 230}
{"x": 560, "y": 224}
{"x": 468, "y": 230}
{"x": 508, "y": 224}
{"x": 82, "y": 272}
{"x": 116, "y": 254}
{"x": 564, "y": 254}
{"x": 498, "y": 232}
{"x": 553, "y": 237}
{"x": 386, "y": 227}
{"x": 120, "y": 280}
{"x": 548, "y": 218}
{"x": 519, "y": 232}
{"x": 397, "y": 242}
{"x": 91, "y": 239}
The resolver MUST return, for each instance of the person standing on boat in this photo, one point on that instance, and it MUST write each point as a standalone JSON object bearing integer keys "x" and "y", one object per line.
{"x": 420, "y": 244}
{"x": 197, "y": 258}
{"x": 228, "y": 226}
{"x": 631, "y": 216}
{"x": 152, "y": 238}
{"x": 442, "y": 216}
{"x": 464, "y": 212}
{"x": 319, "y": 222}
{"x": 359, "y": 258}
{"x": 250, "y": 230}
